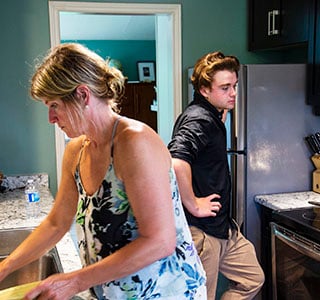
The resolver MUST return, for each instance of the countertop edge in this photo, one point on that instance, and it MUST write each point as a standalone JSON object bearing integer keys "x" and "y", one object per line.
{"x": 287, "y": 201}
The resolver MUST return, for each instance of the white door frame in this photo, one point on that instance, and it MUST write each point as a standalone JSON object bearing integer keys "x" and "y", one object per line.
{"x": 168, "y": 64}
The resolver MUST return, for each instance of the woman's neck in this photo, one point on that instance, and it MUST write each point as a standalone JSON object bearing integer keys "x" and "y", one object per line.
{"x": 100, "y": 133}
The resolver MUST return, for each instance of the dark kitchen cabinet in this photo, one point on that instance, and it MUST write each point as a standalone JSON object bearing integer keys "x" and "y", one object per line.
{"x": 278, "y": 23}
{"x": 137, "y": 103}
{"x": 313, "y": 80}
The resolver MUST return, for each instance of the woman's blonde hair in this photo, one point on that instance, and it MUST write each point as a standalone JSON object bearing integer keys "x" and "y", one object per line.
{"x": 208, "y": 65}
{"x": 69, "y": 65}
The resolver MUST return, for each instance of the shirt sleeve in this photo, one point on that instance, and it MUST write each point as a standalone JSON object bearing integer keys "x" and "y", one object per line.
{"x": 190, "y": 136}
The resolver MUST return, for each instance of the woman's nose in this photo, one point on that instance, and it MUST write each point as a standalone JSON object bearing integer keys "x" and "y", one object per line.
{"x": 52, "y": 116}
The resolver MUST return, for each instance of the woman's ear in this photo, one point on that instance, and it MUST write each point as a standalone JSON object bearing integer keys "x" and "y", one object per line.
{"x": 82, "y": 93}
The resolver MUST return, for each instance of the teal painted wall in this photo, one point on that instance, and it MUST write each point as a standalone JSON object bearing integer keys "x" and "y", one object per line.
{"x": 27, "y": 140}
{"x": 127, "y": 52}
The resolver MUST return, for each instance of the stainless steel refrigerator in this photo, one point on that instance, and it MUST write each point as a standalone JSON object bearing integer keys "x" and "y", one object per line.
{"x": 266, "y": 133}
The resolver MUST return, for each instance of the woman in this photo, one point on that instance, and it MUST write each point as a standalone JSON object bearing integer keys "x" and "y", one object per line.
{"x": 118, "y": 181}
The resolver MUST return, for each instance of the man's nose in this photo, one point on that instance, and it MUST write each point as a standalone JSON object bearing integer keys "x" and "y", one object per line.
{"x": 233, "y": 91}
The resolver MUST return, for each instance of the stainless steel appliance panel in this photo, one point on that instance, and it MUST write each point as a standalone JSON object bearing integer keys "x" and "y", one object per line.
{"x": 268, "y": 125}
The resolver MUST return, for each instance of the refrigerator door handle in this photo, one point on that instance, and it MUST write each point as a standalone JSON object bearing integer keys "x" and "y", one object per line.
{"x": 237, "y": 152}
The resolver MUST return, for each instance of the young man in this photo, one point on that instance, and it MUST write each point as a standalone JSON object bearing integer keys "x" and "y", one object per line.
{"x": 198, "y": 148}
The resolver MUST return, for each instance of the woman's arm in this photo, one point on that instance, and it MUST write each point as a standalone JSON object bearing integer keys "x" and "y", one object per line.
{"x": 52, "y": 228}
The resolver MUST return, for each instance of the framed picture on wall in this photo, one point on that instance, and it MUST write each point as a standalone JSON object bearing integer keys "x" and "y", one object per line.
{"x": 146, "y": 71}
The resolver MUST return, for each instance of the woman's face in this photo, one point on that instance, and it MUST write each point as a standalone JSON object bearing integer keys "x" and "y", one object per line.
{"x": 64, "y": 116}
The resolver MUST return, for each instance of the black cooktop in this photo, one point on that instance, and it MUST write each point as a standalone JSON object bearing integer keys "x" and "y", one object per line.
{"x": 304, "y": 221}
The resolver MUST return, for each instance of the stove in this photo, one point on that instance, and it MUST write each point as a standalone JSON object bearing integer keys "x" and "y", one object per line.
{"x": 303, "y": 221}
{"x": 294, "y": 265}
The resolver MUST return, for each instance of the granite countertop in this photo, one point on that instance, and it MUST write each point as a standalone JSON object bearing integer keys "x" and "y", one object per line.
{"x": 12, "y": 212}
{"x": 287, "y": 201}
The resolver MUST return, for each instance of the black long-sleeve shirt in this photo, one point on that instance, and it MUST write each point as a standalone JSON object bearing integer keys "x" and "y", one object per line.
{"x": 199, "y": 138}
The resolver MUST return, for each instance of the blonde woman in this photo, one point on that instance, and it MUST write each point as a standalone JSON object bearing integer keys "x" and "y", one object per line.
{"x": 118, "y": 182}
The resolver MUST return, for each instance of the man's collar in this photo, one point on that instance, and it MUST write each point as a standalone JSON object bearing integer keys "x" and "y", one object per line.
{"x": 199, "y": 98}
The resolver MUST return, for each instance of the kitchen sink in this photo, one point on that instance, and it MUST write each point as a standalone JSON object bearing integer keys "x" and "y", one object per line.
{"x": 45, "y": 266}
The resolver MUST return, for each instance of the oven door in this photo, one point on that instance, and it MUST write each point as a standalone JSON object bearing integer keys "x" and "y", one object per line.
{"x": 295, "y": 265}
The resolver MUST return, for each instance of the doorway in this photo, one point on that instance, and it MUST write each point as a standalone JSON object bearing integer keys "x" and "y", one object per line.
{"x": 168, "y": 56}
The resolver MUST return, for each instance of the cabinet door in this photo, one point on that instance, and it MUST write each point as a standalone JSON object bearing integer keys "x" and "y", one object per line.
{"x": 260, "y": 17}
{"x": 277, "y": 23}
{"x": 313, "y": 80}
{"x": 137, "y": 102}
{"x": 145, "y": 95}
{"x": 127, "y": 104}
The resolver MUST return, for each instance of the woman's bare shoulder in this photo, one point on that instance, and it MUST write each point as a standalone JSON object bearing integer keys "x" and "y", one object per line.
{"x": 134, "y": 131}
{"x": 136, "y": 139}
{"x": 72, "y": 150}
{"x": 75, "y": 144}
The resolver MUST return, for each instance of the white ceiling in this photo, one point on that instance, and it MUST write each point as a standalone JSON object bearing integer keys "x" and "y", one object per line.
{"x": 79, "y": 26}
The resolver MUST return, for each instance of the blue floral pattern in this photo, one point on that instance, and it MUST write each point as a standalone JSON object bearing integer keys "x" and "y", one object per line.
{"x": 105, "y": 223}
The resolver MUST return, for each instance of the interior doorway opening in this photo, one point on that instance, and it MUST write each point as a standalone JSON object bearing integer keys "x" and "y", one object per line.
{"x": 168, "y": 56}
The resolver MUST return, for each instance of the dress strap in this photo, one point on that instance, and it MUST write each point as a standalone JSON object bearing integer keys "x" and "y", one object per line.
{"x": 81, "y": 151}
{"x": 114, "y": 129}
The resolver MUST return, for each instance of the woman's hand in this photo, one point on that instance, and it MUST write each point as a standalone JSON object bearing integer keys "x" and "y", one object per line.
{"x": 56, "y": 287}
{"x": 4, "y": 270}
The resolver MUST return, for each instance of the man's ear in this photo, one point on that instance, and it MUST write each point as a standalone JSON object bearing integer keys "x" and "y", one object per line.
{"x": 204, "y": 91}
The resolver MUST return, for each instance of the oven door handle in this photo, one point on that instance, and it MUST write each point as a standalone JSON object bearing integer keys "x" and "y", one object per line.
{"x": 297, "y": 242}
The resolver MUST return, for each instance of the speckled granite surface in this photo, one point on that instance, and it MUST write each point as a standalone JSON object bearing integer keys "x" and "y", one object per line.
{"x": 10, "y": 183}
{"x": 284, "y": 201}
{"x": 12, "y": 215}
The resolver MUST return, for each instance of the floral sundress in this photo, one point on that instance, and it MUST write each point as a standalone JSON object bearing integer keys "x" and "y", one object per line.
{"x": 105, "y": 223}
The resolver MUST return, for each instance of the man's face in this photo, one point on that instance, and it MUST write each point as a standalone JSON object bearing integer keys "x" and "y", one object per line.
{"x": 222, "y": 94}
